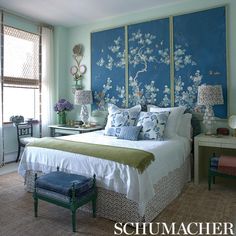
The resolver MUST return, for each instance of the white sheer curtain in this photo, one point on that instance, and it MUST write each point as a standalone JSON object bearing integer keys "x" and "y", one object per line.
{"x": 48, "y": 115}
{"x": 1, "y": 106}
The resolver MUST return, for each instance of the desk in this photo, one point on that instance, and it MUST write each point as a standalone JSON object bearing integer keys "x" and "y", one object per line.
{"x": 210, "y": 141}
{"x": 67, "y": 130}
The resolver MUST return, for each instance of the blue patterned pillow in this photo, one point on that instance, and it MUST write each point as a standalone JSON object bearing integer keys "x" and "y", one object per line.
{"x": 118, "y": 118}
{"x": 114, "y": 131}
{"x": 129, "y": 132}
{"x": 153, "y": 125}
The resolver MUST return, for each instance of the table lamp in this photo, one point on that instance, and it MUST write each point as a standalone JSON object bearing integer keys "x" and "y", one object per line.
{"x": 209, "y": 95}
{"x": 83, "y": 97}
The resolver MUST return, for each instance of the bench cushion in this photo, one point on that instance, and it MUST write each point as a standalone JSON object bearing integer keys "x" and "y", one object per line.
{"x": 61, "y": 182}
{"x": 224, "y": 165}
{"x": 227, "y": 165}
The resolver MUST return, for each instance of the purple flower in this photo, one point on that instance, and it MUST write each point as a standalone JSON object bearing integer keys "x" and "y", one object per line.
{"x": 63, "y": 105}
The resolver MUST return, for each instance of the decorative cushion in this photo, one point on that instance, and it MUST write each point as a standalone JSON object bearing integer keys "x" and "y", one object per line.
{"x": 227, "y": 165}
{"x": 118, "y": 117}
{"x": 153, "y": 125}
{"x": 129, "y": 132}
{"x": 174, "y": 119}
{"x": 61, "y": 182}
{"x": 27, "y": 140}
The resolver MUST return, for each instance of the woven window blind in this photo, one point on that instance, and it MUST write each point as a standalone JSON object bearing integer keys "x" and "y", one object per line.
{"x": 21, "y": 58}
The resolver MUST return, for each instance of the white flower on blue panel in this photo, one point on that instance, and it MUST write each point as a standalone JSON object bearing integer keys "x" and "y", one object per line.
{"x": 103, "y": 97}
{"x": 181, "y": 59}
{"x": 116, "y": 58}
{"x": 187, "y": 97}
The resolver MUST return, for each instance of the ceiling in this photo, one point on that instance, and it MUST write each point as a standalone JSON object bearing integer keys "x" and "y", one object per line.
{"x": 71, "y": 13}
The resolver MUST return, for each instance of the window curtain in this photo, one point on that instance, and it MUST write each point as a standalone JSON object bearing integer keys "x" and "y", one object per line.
{"x": 47, "y": 87}
{"x": 1, "y": 96}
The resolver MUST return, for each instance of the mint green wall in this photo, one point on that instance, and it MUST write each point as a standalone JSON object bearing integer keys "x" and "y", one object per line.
{"x": 81, "y": 35}
{"x": 61, "y": 61}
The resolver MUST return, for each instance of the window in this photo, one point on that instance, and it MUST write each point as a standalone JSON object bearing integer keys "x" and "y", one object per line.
{"x": 21, "y": 80}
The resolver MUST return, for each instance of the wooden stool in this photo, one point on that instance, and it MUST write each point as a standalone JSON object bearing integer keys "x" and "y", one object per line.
{"x": 67, "y": 190}
{"x": 224, "y": 166}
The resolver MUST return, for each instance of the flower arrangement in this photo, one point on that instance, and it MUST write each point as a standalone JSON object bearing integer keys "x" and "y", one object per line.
{"x": 63, "y": 105}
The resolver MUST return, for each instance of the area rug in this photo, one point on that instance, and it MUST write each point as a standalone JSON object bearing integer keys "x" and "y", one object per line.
{"x": 195, "y": 204}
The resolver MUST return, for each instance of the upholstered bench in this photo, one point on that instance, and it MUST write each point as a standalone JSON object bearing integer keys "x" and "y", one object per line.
{"x": 67, "y": 190}
{"x": 224, "y": 166}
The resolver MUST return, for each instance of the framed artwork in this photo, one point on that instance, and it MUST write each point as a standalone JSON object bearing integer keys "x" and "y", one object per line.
{"x": 149, "y": 63}
{"x": 108, "y": 67}
{"x": 200, "y": 56}
{"x": 161, "y": 61}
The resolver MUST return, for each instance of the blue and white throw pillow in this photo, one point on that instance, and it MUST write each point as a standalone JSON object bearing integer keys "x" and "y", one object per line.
{"x": 118, "y": 118}
{"x": 129, "y": 132}
{"x": 153, "y": 125}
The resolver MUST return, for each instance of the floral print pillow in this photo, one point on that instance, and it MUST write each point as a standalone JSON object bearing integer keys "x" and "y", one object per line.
{"x": 153, "y": 125}
{"x": 118, "y": 118}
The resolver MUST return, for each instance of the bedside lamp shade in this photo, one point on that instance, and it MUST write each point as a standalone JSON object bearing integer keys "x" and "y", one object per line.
{"x": 209, "y": 95}
{"x": 83, "y": 97}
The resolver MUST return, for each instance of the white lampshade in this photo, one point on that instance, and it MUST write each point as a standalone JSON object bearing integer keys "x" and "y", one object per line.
{"x": 83, "y": 97}
{"x": 210, "y": 95}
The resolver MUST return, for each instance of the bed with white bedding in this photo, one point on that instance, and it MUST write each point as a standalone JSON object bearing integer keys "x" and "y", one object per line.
{"x": 124, "y": 194}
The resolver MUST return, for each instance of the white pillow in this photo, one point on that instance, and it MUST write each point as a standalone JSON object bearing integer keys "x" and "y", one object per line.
{"x": 173, "y": 121}
{"x": 185, "y": 126}
{"x": 119, "y": 117}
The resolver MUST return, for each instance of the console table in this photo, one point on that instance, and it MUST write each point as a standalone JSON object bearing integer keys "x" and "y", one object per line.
{"x": 202, "y": 140}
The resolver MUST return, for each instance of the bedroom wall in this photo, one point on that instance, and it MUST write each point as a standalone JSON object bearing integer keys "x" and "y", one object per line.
{"x": 81, "y": 34}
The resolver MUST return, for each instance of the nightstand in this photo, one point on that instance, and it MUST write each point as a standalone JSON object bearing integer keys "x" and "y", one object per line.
{"x": 67, "y": 130}
{"x": 202, "y": 140}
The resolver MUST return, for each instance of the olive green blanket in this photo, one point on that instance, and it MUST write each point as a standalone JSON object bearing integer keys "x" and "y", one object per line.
{"x": 138, "y": 159}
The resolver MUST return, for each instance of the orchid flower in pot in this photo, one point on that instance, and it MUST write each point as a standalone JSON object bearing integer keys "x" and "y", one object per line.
{"x": 61, "y": 107}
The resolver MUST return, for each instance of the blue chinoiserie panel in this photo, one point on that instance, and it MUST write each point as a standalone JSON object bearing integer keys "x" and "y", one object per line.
{"x": 149, "y": 63}
{"x": 108, "y": 67}
{"x": 200, "y": 56}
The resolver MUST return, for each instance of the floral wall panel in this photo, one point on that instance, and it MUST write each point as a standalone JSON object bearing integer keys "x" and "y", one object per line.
{"x": 108, "y": 67}
{"x": 149, "y": 63}
{"x": 200, "y": 56}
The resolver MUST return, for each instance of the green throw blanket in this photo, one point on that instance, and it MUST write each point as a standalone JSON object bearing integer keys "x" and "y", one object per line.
{"x": 133, "y": 157}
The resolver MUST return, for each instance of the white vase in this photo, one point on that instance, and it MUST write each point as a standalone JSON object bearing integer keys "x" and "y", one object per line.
{"x": 84, "y": 114}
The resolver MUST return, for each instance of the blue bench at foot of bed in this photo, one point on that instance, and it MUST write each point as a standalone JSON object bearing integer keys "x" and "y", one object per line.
{"x": 67, "y": 190}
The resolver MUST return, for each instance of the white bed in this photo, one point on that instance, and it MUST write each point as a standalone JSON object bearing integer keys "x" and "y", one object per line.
{"x": 139, "y": 191}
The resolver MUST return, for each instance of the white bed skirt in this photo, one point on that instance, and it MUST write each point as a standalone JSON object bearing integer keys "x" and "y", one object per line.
{"x": 115, "y": 206}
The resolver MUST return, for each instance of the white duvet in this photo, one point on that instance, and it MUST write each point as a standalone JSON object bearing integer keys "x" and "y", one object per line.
{"x": 111, "y": 175}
